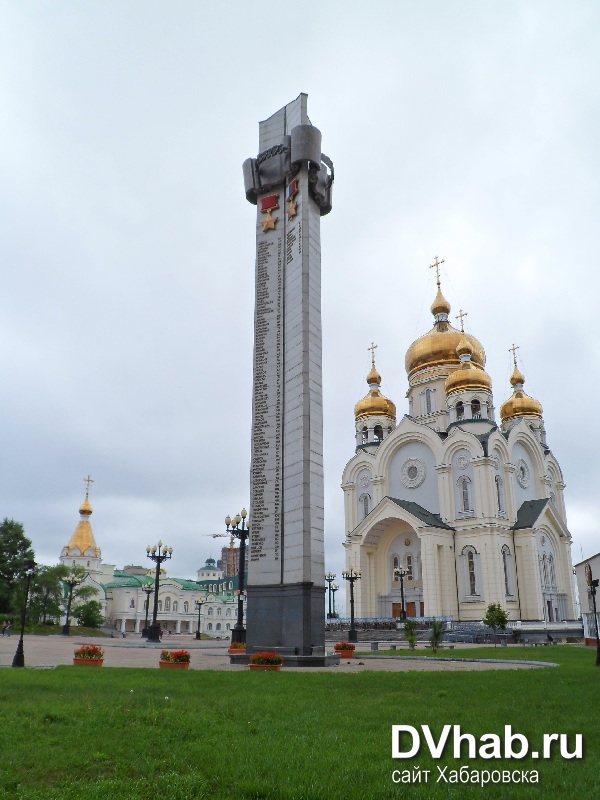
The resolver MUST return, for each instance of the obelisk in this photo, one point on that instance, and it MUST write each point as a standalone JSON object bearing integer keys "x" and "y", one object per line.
{"x": 290, "y": 182}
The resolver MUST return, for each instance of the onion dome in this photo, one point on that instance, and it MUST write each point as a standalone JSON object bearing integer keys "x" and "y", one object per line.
{"x": 374, "y": 404}
{"x": 520, "y": 404}
{"x": 437, "y": 350}
{"x": 83, "y": 538}
{"x": 468, "y": 376}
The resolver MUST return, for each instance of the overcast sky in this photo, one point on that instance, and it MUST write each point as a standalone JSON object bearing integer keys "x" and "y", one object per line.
{"x": 467, "y": 130}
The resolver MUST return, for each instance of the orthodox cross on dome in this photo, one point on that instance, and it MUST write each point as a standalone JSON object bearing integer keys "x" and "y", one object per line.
{"x": 372, "y": 348}
{"x": 437, "y": 264}
{"x": 513, "y": 350}
{"x": 88, "y": 481}
{"x": 461, "y": 316}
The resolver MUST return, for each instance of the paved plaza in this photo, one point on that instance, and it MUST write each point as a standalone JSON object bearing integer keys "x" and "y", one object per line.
{"x": 51, "y": 651}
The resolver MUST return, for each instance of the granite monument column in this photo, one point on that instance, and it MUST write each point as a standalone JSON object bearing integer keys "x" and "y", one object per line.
{"x": 290, "y": 183}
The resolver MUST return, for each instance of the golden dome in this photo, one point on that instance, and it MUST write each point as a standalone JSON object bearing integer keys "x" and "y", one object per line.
{"x": 83, "y": 538}
{"x": 468, "y": 376}
{"x": 85, "y": 508}
{"x": 437, "y": 349}
{"x": 374, "y": 404}
{"x": 520, "y": 404}
{"x": 440, "y": 305}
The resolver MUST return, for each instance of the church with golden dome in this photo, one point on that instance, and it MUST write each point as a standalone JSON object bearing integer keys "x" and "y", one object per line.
{"x": 469, "y": 510}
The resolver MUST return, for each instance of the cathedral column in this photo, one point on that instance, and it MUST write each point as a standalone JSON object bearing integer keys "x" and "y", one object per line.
{"x": 137, "y": 625}
{"x": 177, "y": 626}
{"x": 483, "y": 470}
{"x": 445, "y": 490}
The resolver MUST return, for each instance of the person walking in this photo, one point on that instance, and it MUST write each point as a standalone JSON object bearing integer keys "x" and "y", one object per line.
{"x": 8, "y": 627}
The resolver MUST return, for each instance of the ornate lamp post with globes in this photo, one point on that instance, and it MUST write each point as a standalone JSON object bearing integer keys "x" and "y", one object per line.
{"x": 148, "y": 589}
{"x": 593, "y": 585}
{"x": 351, "y": 575}
{"x": 158, "y": 554}
{"x": 72, "y": 581}
{"x": 399, "y": 573}
{"x": 237, "y": 527}
{"x": 330, "y": 577}
{"x": 19, "y": 657}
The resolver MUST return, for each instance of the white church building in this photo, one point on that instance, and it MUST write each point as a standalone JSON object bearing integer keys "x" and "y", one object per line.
{"x": 470, "y": 508}
{"x": 122, "y": 595}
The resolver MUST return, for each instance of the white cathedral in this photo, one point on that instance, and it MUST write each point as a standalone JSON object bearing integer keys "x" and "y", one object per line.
{"x": 470, "y": 510}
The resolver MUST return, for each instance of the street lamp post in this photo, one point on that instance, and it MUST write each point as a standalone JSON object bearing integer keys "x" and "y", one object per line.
{"x": 158, "y": 554}
{"x": 399, "y": 573}
{"x": 334, "y": 589}
{"x": 351, "y": 575}
{"x": 72, "y": 581}
{"x": 330, "y": 577}
{"x": 19, "y": 658}
{"x": 237, "y": 527}
{"x": 148, "y": 589}
{"x": 593, "y": 585}
{"x": 199, "y": 604}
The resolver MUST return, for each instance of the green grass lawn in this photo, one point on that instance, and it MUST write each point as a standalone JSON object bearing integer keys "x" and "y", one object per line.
{"x": 144, "y": 734}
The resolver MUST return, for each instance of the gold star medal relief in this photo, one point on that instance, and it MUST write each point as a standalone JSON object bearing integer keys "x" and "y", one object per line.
{"x": 268, "y": 204}
{"x": 292, "y": 191}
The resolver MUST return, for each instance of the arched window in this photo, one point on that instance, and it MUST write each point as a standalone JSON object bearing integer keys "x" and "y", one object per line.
{"x": 167, "y": 603}
{"x": 228, "y": 627}
{"x": 210, "y": 611}
{"x": 545, "y": 570}
{"x": 464, "y": 485}
{"x": 507, "y": 564}
{"x": 228, "y": 612}
{"x": 365, "y": 435}
{"x": 218, "y": 612}
{"x": 378, "y": 433}
{"x": 409, "y": 567}
{"x": 364, "y": 502}
{"x": 429, "y": 401}
{"x": 499, "y": 494}
{"x": 160, "y": 605}
{"x": 186, "y": 607}
{"x": 218, "y": 626}
{"x": 460, "y": 410}
{"x": 209, "y": 626}
{"x": 395, "y": 565}
{"x": 471, "y": 562}
{"x": 475, "y": 409}
{"x": 175, "y": 606}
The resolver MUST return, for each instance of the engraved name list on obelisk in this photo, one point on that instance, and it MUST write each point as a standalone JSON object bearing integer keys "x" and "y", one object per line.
{"x": 290, "y": 182}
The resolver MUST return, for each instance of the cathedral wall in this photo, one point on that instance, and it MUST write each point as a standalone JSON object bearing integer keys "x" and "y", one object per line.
{"x": 412, "y": 476}
{"x": 525, "y": 477}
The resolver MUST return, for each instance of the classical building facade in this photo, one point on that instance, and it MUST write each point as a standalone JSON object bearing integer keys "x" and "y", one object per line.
{"x": 472, "y": 510}
{"x": 122, "y": 595}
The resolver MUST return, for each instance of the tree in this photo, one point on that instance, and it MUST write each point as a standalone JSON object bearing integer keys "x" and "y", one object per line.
{"x": 437, "y": 633}
{"x": 495, "y": 618}
{"x": 410, "y": 627}
{"x": 47, "y": 593}
{"x": 15, "y": 547}
{"x": 90, "y": 614}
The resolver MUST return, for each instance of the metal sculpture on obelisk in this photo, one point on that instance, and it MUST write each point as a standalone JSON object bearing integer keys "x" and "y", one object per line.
{"x": 290, "y": 183}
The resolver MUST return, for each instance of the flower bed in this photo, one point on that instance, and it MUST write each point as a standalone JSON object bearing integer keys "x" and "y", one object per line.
{"x": 89, "y": 652}
{"x": 345, "y": 649}
{"x": 266, "y": 661}
{"x": 88, "y": 655}
{"x": 176, "y": 656}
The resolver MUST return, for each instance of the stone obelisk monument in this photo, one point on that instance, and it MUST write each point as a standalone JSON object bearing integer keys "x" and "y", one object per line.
{"x": 290, "y": 182}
